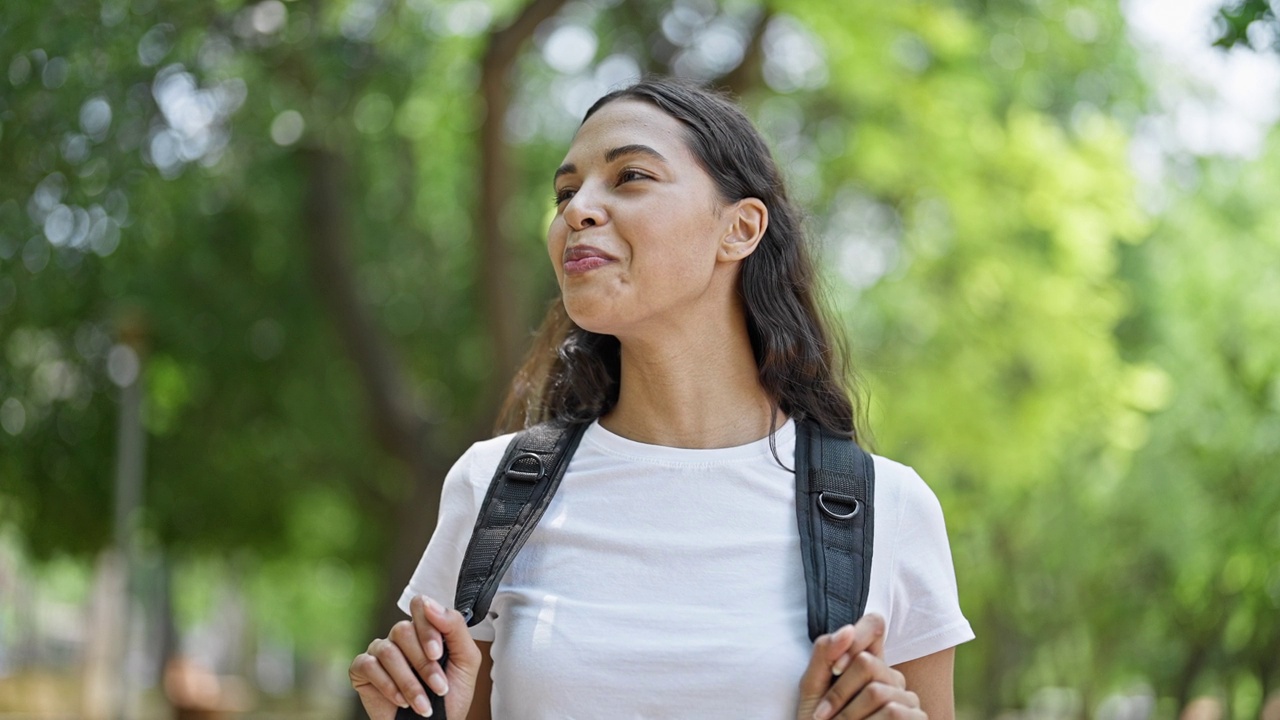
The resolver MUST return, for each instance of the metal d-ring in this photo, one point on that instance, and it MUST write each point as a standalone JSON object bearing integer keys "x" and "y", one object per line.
{"x": 845, "y": 499}
{"x": 525, "y": 475}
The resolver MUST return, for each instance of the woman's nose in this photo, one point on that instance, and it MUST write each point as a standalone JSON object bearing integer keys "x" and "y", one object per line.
{"x": 584, "y": 211}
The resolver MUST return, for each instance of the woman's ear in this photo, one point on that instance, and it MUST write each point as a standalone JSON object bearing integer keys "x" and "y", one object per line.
{"x": 750, "y": 218}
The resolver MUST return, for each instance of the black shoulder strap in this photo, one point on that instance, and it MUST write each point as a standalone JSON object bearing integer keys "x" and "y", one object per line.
{"x": 835, "y": 482}
{"x": 518, "y": 495}
{"x": 835, "y": 494}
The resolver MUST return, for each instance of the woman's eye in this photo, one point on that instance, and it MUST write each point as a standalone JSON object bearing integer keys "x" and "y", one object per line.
{"x": 625, "y": 176}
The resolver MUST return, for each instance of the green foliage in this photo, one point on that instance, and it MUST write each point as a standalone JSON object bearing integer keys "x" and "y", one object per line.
{"x": 1088, "y": 388}
{"x": 1201, "y": 494}
{"x": 1236, "y": 18}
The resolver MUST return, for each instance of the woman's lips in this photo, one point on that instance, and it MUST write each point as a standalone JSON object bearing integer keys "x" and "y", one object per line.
{"x": 576, "y": 267}
{"x": 584, "y": 258}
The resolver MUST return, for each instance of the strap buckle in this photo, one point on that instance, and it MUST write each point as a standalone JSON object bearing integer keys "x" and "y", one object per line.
{"x": 845, "y": 500}
{"x": 526, "y": 475}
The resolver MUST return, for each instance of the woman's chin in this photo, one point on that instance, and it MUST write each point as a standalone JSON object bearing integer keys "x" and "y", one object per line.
{"x": 588, "y": 315}
{"x": 592, "y": 325}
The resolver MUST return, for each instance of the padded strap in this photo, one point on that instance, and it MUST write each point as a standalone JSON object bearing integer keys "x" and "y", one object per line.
{"x": 532, "y": 468}
{"x": 534, "y": 464}
{"x": 835, "y": 493}
{"x": 835, "y": 487}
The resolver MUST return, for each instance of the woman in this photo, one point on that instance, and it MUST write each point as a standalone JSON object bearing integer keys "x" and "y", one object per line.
{"x": 665, "y": 578}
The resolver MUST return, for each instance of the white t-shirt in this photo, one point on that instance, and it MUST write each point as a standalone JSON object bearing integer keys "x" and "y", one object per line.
{"x": 667, "y": 582}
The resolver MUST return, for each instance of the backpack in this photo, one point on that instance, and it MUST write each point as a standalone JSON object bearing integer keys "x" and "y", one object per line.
{"x": 835, "y": 489}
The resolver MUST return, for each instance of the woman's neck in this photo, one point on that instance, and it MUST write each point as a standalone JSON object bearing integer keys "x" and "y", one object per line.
{"x": 691, "y": 388}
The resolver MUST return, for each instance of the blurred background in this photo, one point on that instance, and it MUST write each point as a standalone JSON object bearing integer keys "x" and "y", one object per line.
{"x": 266, "y": 267}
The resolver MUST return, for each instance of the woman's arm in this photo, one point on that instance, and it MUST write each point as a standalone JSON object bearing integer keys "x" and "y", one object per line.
{"x": 484, "y": 685}
{"x": 930, "y": 678}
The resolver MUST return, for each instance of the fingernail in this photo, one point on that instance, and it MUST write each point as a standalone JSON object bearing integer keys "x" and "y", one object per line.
{"x": 842, "y": 664}
{"x": 434, "y": 606}
{"x": 433, "y": 650}
{"x": 824, "y": 707}
{"x": 401, "y": 701}
{"x": 438, "y": 683}
{"x": 421, "y": 706}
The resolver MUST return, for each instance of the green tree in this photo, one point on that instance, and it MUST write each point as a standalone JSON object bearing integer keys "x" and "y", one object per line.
{"x": 319, "y": 224}
{"x": 1201, "y": 494}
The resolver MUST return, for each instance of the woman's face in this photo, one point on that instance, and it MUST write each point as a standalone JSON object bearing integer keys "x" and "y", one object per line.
{"x": 639, "y": 228}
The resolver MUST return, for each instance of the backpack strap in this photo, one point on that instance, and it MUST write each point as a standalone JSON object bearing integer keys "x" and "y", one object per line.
{"x": 835, "y": 492}
{"x": 521, "y": 490}
{"x": 519, "y": 493}
{"x": 835, "y": 483}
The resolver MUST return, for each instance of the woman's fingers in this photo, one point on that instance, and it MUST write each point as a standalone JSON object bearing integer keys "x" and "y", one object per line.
{"x": 867, "y": 685}
{"x": 868, "y": 637}
{"x": 894, "y": 711}
{"x": 831, "y": 656}
{"x": 442, "y": 632}
{"x": 404, "y": 637}
{"x": 429, "y": 638}
{"x": 378, "y": 692}
{"x": 817, "y": 676}
{"x": 387, "y": 658}
{"x": 392, "y": 671}
{"x": 880, "y": 700}
{"x": 827, "y": 651}
{"x": 464, "y": 655}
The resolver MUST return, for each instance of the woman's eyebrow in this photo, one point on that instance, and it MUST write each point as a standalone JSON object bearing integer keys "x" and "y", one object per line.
{"x": 614, "y": 154}
{"x": 618, "y": 152}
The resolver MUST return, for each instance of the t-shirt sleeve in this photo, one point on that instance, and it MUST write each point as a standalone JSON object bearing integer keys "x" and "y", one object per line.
{"x": 437, "y": 573}
{"x": 924, "y": 603}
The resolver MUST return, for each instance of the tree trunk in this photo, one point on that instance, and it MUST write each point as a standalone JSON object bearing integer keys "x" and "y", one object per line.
{"x": 503, "y": 291}
{"x": 1196, "y": 660}
{"x": 104, "y": 648}
{"x": 747, "y": 75}
{"x": 397, "y": 429}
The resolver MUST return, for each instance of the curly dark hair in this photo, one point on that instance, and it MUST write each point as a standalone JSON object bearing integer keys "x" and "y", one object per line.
{"x": 572, "y": 375}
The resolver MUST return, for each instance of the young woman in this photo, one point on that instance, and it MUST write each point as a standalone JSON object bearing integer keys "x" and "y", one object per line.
{"x": 665, "y": 579}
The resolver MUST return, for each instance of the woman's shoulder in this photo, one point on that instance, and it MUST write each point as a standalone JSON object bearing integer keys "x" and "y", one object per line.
{"x": 916, "y": 578}
{"x": 467, "y": 482}
{"x": 476, "y": 466}
{"x": 900, "y": 487}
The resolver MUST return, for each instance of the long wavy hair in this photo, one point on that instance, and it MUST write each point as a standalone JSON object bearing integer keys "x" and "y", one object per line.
{"x": 572, "y": 375}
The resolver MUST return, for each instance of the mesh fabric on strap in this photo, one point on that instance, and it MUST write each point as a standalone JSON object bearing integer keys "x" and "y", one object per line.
{"x": 534, "y": 464}
{"x": 519, "y": 493}
{"x": 835, "y": 487}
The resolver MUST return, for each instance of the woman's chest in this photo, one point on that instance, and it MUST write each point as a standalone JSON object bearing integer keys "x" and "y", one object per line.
{"x": 653, "y": 605}
{"x": 668, "y": 596}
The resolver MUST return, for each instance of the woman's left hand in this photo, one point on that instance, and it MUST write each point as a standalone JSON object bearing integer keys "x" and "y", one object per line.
{"x": 848, "y": 679}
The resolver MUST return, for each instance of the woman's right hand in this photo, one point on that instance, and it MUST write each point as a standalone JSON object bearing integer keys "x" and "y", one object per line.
{"x": 383, "y": 674}
{"x": 848, "y": 679}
